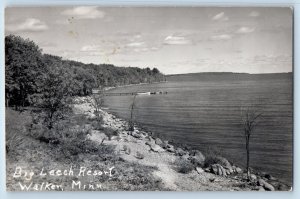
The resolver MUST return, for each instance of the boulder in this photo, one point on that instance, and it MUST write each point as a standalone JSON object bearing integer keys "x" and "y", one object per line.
{"x": 261, "y": 182}
{"x": 253, "y": 177}
{"x": 180, "y": 152}
{"x": 233, "y": 168}
{"x": 139, "y": 155}
{"x": 126, "y": 149}
{"x": 198, "y": 158}
{"x": 238, "y": 170}
{"x": 265, "y": 185}
{"x": 223, "y": 171}
{"x": 114, "y": 138}
{"x": 217, "y": 169}
{"x": 156, "y": 148}
{"x": 136, "y": 135}
{"x": 214, "y": 168}
{"x": 269, "y": 177}
{"x": 164, "y": 144}
{"x": 224, "y": 162}
{"x": 199, "y": 170}
{"x": 158, "y": 142}
{"x": 170, "y": 148}
{"x": 269, "y": 187}
{"x": 261, "y": 188}
{"x": 228, "y": 172}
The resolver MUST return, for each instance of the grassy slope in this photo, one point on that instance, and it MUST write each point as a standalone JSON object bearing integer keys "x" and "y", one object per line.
{"x": 32, "y": 154}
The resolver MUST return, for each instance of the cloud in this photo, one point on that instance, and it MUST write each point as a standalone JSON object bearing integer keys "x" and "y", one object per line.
{"x": 245, "y": 30}
{"x": 221, "y": 37}
{"x": 84, "y": 12}
{"x": 29, "y": 25}
{"x": 254, "y": 14}
{"x": 176, "y": 40}
{"x": 90, "y": 48}
{"x": 135, "y": 44}
{"x": 220, "y": 17}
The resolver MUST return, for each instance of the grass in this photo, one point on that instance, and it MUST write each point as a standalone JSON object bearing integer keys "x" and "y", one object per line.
{"x": 32, "y": 147}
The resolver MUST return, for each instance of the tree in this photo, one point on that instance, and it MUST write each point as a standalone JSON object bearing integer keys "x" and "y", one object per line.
{"x": 53, "y": 95}
{"x": 250, "y": 118}
{"x": 23, "y": 66}
{"x": 97, "y": 103}
{"x": 132, "y": 107}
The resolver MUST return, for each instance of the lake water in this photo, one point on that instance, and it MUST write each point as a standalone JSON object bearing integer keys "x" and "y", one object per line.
{"x": 207, "y": 113}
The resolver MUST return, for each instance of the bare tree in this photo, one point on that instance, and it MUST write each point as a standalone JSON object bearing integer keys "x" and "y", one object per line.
{"x": 132, "y": 107}
{"x": 97, "y": 103}
{"x": 250, "y": 116}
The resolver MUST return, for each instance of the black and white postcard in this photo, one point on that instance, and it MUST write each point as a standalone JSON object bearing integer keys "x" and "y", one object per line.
{"x": 155, "y": 98}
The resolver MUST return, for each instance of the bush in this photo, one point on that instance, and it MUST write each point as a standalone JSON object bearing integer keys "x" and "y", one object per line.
{"x": 183, "y": 166}
{"x": 139, "y": 155}
{"x": 97, "y": 125}
{"x": 109, "y": 132}
{"x": 14, "y": 141}
{"x": 214, "y": 156}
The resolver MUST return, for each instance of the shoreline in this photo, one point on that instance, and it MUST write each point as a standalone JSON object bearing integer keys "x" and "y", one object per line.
{"x": 220, "y": 167}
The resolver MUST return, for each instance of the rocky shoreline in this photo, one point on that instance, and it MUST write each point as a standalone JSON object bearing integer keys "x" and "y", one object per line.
{"x": 178, "y": 168}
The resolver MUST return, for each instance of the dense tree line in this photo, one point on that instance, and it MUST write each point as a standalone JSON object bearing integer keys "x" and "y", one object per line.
{"x": 36, "y": 79}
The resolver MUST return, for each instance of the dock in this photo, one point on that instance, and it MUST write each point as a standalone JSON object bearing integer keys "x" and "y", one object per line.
{"x": 131, "y": 93}
{"x": 136, "y": 93}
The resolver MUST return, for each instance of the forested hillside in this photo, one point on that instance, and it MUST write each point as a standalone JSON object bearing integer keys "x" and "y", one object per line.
{"x": 31, "y": 76}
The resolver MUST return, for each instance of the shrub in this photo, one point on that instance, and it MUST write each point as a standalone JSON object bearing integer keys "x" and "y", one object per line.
{"x": 211, "y": 156}
{"x": 183, "y": 166}
{"x": 97, "y": 125}
{"x": 139, "y": 155}
{"x": 14, "y": 141}
{"x": 109, "y": 132}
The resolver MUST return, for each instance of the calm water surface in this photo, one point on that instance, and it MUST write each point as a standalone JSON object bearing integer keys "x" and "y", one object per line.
{"x": 205, "y": 114}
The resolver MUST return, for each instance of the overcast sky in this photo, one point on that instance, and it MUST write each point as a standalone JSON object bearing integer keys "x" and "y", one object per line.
{"x": 175, "y": 40}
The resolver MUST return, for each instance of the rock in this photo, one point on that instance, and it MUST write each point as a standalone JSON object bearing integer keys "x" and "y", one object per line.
{"x": 164, "y": 144}
{"x": 261, "y": 182}
{"x": 156, "y": 148}
{"x": 158, "y": 141}
{"x": 233, "y": 169}
{"x": 199, "y": 170}
{"x": 126, "y": 149}
{"x": 87, "y": 127}
{"x": 180, "y": 152}
{"x": 238, "y": 170}
{"x": 186, "y": 157}
{"x": 253, "y": 177}
{"x": 217, "y": 169}
{"x": 224, "y": 162}
{"x": 198, "y": 158}
{"x": 148, "y": 143}
{"x": 139, "y": 155}
{"x": 136, "y": 135}
{"x": 114, "y": 138}
{"x": 269, "y": 187}
{"x": 269, "y": 177}
{"x": 223, "y": 171}
{"x": 265, "y": 185}
{"x": 207, "y": 169}
{"x": 220, "y": 172}
{"x": 214, "y": 168}
{"x": 260, "y": 188}
{"x": 170, "y": 148}
{"x": 228, "y": 172}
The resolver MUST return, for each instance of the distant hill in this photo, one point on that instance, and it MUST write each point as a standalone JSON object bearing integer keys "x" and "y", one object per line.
{"x": 223, "y": 76}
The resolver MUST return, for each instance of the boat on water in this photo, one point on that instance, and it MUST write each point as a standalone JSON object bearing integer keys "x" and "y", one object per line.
{"x": 144, "y": 93}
